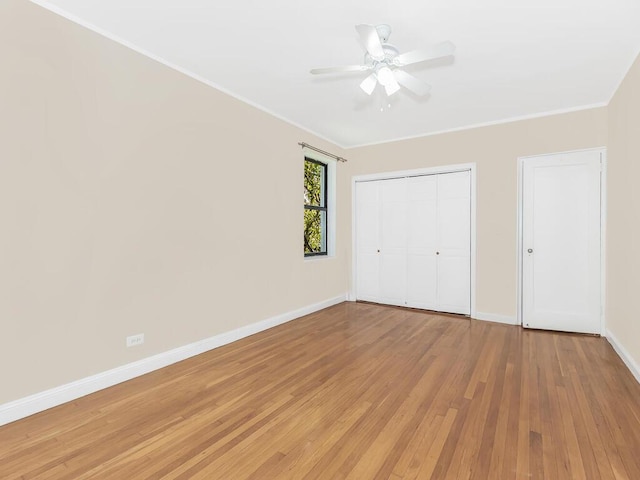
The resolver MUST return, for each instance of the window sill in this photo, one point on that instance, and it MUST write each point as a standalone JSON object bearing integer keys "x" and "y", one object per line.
{"x": 318, "y": 258}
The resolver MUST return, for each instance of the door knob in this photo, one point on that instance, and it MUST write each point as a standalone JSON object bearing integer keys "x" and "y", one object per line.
{"x": 529, "y": 250}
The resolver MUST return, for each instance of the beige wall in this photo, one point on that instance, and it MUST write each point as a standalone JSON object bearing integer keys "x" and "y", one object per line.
{"x": 495, "y": 149}
{"x": 623, "y": 222}
{"x": 135, "y": 199}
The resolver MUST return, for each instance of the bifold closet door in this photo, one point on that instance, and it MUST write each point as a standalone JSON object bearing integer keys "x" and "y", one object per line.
{"x": 413, "y": 242}
{"x": 381, "y": 237}
{"x": 439, "y": 242}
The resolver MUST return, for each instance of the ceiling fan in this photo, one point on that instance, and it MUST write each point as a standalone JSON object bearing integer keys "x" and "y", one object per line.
{"x": 386, "y": 62}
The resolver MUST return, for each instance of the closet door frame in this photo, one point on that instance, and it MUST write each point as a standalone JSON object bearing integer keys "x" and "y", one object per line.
{"x": 471, "y": 167}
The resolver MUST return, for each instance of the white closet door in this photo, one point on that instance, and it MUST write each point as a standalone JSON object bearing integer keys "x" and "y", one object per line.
{"x": 422, "y": 242}
{"x": 561, "y": 241}
{"x": 413, "y": 241}
{"x": 393, "y": 241}
{"x": 367, "y": 241}
{"x": 454, "y": 242}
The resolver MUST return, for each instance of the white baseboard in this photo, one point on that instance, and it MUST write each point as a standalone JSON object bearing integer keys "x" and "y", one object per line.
{"x": 493, "y": 317}
{"x": 38, "y": 402}
{"x": 626, "y": 357}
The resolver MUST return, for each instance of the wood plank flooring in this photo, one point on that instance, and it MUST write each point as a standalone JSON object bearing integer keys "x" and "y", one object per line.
{"x": 356, "y": 391}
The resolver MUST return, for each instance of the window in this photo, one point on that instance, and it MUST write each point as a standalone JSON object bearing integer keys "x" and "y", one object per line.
{"x": 315, "y": 207}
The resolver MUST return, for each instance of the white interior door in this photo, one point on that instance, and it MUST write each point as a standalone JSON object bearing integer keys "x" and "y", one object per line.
{"x": 454, "y": 242}
{"x": 561, "y": 265}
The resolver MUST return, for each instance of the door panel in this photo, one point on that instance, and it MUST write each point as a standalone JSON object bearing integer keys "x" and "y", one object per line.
{"x": 561, "y": 242}
{"x": 454, "y": 289}
{"x": 367, "y": 233}
{"x": 393, "y": 241}
{"x": 454, "y": 227}
{"x": 422, "y": 209}
{"x": 454, "y": 242}
{"x": 393, "y": 274}
{"x": 422, "y": 285}
{"x": 454, "y": 185}
{"x": 422, "y": 242}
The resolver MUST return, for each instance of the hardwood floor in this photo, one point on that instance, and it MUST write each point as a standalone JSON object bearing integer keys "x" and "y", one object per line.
{"x": 356, "y": 391}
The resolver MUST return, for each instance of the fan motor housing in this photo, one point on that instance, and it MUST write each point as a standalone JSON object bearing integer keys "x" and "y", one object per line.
{"x": 384, "y": 32}
{"x": 390, "y": 52}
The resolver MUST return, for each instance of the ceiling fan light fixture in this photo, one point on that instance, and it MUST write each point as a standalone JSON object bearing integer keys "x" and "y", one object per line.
{"x": 385, "y": 76}
{"x": 369, "y": 84}
{"x": 391, "y": 88}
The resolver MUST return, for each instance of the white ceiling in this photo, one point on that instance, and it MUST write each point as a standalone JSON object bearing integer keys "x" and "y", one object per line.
{"x": 514, "y": 59}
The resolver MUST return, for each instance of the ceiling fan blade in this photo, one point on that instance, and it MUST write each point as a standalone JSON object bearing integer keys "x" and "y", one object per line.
{"x": 391, "y": 87}
{"x": 411, "y": 83}
{"x": 347, "y": 68}
{"x": 440, "y": 50}
{"x": 371, "y": 40}
{"x": 369, "y": 84}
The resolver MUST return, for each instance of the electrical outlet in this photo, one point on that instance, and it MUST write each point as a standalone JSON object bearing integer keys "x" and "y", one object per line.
{"x": 135, "y": 340}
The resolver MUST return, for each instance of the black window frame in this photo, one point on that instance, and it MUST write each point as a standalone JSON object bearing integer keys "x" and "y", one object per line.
{"x": 325, "y": 208}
